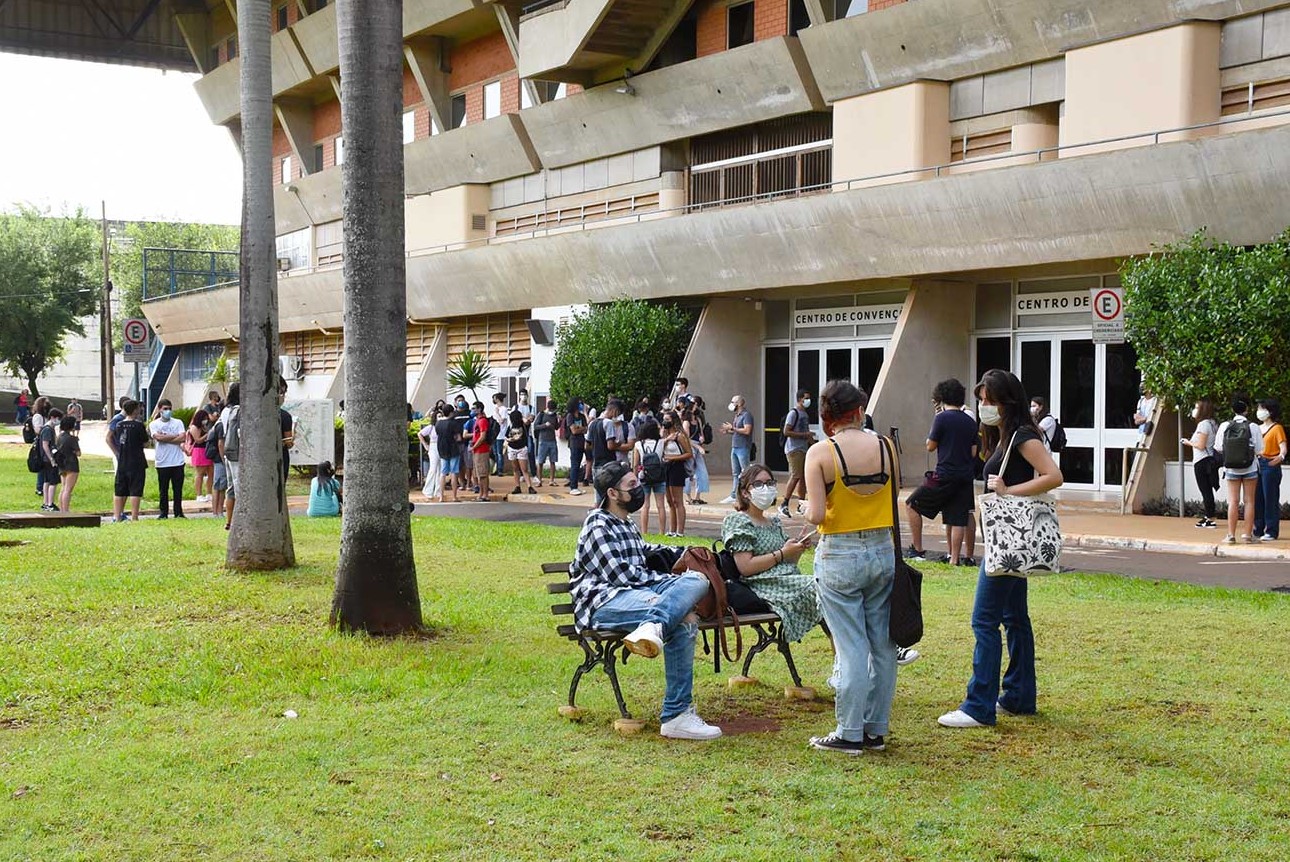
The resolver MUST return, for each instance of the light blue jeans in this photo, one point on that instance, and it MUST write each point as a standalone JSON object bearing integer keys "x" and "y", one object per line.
{"x": 698, "y": 483}
{"x": 667, "y": 603}
{"x": 739, "y": 462}
{"x": 853, "y": 575}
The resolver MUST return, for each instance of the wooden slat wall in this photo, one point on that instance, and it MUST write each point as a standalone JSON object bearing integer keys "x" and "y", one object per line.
{"x": 1267, "y": 95}
{"x": 981, "y": 144}
{"x": 502, "y": 338}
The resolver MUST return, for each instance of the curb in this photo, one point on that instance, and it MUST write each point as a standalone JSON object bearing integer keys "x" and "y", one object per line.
{"x": 1127, "y": 543}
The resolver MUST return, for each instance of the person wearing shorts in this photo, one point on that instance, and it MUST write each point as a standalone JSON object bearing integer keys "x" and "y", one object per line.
{"x": 798, "y": 437}
{"x": 481, "y": 449}
{"x": 947, "y": 491}
{"x": 127, "y": 442}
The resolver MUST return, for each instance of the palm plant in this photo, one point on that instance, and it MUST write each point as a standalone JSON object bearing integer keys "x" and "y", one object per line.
{"x": 469, "y": 370}
{"x": 221, "y": 374}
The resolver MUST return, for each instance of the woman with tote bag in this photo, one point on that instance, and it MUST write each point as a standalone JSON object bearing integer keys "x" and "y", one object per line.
{"x": 1019, "y": 466}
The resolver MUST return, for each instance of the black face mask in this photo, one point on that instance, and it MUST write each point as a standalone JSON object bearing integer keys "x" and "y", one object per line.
{"x": 636, "y": 500}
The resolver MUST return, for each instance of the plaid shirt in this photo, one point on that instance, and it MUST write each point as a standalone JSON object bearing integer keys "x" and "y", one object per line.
{"x": 610, "y": 558}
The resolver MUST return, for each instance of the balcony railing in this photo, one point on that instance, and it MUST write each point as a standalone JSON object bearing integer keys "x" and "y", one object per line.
{"x": 211, "y": 274}
{"x": 762, "y": 176}
{"x": 170, "y": 271}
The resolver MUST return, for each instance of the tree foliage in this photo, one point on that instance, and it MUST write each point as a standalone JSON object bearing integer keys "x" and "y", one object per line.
{"x": 469, "y": 370}
{"x": 127, "y": 253}
{"x": 1210, "y": 320}
{"x": 629, "y": 348}
{"x": 48, "y": 283}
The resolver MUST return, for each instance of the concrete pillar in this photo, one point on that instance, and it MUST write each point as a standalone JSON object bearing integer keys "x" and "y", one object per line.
{"x": 432, "y": 382}
{"x": 930, "y": 344}
{"x": 892, "y": 131}
{"x": 427, "y": 59}
{"x": 724, "y": 359}
{"x": 296, "y": 116}
{"x": 1175, "y": 82}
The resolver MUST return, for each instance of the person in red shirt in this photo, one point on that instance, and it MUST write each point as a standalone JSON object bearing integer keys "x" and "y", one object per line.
{"x": 480, "y": 449}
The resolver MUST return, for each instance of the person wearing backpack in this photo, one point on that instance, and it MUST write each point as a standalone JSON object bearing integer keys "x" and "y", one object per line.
{"x": 1238, "y": 441}
{"x": 695, "y": 423}
{"x": 69, "y": 460}
{"x": 39, "y": 416}
{"x": 796, "y": 437}
{"x": 22, "y": 406}
{"x": 127, "y": 444}
{"x": 548, "y": 451}
{"x": 1267, "y": 494}
{"x": 1054, "y": 435}
{"x": 219, "y": 473}
{"x": 647, "y": 461}
{"x": 48, "y": 475}
{"x": 575, "y": 431}
{"x": 482, "y": 437}
{"x": 230, "y": 446}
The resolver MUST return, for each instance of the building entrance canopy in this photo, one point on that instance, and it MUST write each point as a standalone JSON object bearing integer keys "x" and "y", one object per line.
{"x": 125, "y": 32}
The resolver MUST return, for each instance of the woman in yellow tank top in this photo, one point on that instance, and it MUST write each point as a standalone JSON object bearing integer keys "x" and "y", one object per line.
{"x": 848, "y": 493}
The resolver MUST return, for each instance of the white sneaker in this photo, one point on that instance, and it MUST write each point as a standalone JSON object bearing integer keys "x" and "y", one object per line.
{"x": 728, "y": 499}
{"x": 688, "y": 725}
{"x": 958, "y": 718}
{"x": 905, "y": 655}
{"x": 646, "y": 640}
{"x": 576, "y": 492}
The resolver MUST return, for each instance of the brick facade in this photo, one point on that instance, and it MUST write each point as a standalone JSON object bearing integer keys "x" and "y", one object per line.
{"x": 511, "y": 94}
{"x": 875, "y": 5}
{"x": 710, "y": 27}
{"x": 770, "y": 19}
{"x": 482, "y": 60}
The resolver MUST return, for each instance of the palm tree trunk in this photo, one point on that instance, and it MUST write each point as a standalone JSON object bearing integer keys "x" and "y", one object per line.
{"x": 376, "y": 584}
{"x": 261, "y": 534}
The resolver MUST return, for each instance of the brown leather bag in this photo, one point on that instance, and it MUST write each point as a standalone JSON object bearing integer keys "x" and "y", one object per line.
{"x": 713, "y": 606}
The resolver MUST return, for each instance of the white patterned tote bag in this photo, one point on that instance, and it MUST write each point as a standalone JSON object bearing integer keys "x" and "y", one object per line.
{"x": 1022, "y": 535}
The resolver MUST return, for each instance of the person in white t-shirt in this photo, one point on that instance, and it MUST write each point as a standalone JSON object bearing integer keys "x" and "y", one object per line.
{"x": 1240, "y": 468}
{"x": 168, "y": 432}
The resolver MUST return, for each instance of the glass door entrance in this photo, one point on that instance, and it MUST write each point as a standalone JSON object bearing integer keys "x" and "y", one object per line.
{"x": 857, "y": 361}
{"x": 1092, "y": 389}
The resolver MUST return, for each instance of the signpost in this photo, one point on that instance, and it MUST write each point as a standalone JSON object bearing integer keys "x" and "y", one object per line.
{"x": 1107, "y": 304}
{"x": 136, "y": 340}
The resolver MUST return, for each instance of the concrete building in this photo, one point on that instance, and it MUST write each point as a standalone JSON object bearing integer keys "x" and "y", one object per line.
{"x": 892, "y": 192}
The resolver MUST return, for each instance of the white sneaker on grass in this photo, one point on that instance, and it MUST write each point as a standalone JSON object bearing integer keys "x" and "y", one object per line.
{"x": 646, "y": 640}
{"x": 958, "y": 718}
{"x": 688, "y": 725}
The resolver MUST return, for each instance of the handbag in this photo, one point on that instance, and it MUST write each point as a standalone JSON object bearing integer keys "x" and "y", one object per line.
{"x": 1021, "y": 534}
{"x": 713, "y": 607}
{"x": 905, "y": 623}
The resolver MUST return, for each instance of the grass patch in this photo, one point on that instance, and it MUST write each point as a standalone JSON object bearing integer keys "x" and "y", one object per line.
{"x": 142, "y": 692}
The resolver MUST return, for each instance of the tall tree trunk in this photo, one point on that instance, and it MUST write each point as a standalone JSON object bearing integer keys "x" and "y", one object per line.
{"x": 376, "y": 583}
{"x": 261, "y": 533}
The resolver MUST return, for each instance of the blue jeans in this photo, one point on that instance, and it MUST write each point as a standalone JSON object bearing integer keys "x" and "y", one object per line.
{"x": 853, "y": 575}
{"x": 1267, "y": 500}
{"x": 698, "y": 484}
{"x": 739, "y": 462}
{"x": 576, "y": 449}
{"x": 1001, "y": 600}
{"x": 667, "y": 603}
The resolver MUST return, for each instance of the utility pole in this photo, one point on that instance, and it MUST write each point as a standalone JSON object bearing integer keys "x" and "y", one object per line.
{"x": 105, "y": 325}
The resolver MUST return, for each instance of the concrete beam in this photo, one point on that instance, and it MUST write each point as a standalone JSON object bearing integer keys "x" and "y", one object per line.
{"x": 508, "y": 19}
{"x": 757, "y": 82}
{"x": 944, "y": 40}
{"x": 816, "y": 12}
{"x": 316, "y": 35}
{"x": 428, "y": 60}
{"x": 930, "y": 344}
{"x": 548, "y": 42}
{"x": 316, "y": 200}
{"x": 296, "y": 116}
{"x": 195, "y": 29}
{"x": 646, "y": 55}
{"x": 220, "y": 90}
{"x": 486, "y": 152}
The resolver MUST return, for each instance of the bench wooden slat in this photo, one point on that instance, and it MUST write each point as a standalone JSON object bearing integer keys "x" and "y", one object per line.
{"x": 562, "y": 610}
{"x": 555, "y": 568}
{"x": 564, "y": 587}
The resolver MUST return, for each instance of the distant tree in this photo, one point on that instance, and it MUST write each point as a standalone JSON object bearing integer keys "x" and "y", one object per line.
{"x": 127, "y": 253}
{"x": 48, "y": 284}
{"x": 1209, "y": 320}
{"x": 630, "y": 348}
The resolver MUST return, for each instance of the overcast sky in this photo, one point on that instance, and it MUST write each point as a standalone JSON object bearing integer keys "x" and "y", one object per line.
{"x": 80, "y": 133}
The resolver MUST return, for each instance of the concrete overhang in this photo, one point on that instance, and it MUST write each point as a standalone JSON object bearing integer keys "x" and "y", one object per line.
{"x": 757, "y": 82}
{"x": 550, "y": 40}
{"x": 945, "y": 40}
{"x": 486, "y": 152}
{"x": 221, "y": 90}
{"x": 1097, "y": 207}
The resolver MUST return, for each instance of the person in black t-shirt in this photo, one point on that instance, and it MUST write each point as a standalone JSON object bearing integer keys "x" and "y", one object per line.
{"x": 947, "y": 491}
{"x": 448, "y": 440}
{"x": 127, "y": 443}
{"x": 1001, "y": 598}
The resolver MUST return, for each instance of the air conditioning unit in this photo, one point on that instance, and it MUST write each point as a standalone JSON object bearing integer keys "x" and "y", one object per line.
{"x": 284, "y": 264}
{"x": 292, "y": 367}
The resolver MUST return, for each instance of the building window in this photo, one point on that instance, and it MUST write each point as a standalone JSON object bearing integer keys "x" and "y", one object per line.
{"x": 492, "y": 100}
{"x": 294, "y": 248}
{"x": 458, "y": 111}
{"x": 232, "y": 47}
{"x": 318, "y": 157}
{"x": 286, "y": 169}
{"x": 548, "y": 91}
{"x": 434, "y": 127}
{"x": 849, "y": 8}
{"x": 282, "y": 17}
{"x": 739, "y": 25}
{"x": 340, "y": 151}
{"x": 798, "y": 19}
{"x": 214, "y": 58}
{"x": 198, "y": 361}
{"x": 409, "y": 126}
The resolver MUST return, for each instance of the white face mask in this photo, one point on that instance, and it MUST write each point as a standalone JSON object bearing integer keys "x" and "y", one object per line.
{"x": 989, "y": 414}
{"x": 763, "y": 498}
{"x": 806, "y": 402}
{"x": 1195, "y": 413}
{"x": 733, "y": 407}
{"x": 1263, "y": 415}
{"x": 1034, "y": 411}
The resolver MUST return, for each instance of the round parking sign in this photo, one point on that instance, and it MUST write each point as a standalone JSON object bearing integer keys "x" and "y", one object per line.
{"x": 136, "y": 332}
{"x": 1107, "y": 305}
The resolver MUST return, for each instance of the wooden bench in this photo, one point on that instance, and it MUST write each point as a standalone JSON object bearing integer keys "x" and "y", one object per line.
{"x": 49, "y": 520}
{"x": 604, "y": 649}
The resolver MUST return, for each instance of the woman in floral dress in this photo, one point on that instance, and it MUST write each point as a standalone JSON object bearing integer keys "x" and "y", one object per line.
{"x": 767, "y": 558}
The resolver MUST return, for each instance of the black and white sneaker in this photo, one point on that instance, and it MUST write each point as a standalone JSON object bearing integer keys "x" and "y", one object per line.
{"x": 906, "y": 655}
{"x": 833, "y": 742}
{"x": 968, "y": 561}
{"x": 912, "y": 553}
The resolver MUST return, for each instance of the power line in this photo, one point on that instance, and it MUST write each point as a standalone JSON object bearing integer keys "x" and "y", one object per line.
{"x": 49, "y": 293}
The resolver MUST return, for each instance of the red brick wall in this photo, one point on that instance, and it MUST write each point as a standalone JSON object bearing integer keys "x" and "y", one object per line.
{"x": 411, "y": 92}
{"x": 421, "y": 122}
{"x": 481, "y": 60}
{"x": 474, "y": 105}
{"x": 281, "y": 146}
{"x": 511, "y": 94}
{"x": 710, "y": 28}
{"x": 875, "y": 5}
{"x": 770, "y": 19}
{"x": 327, "y": 120}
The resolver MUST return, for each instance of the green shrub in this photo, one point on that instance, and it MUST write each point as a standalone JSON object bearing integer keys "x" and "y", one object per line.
{"x": 184, "y": 414}
{"x": 629, "y": 347}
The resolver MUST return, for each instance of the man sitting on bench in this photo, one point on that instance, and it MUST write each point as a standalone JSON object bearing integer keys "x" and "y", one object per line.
{"x": 614, "y": 590}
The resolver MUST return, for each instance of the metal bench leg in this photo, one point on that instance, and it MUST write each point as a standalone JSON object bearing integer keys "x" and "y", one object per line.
{"x": 607, "y": 662}
{"x": 764, "y": 639}
{"x": 796, "y": 691}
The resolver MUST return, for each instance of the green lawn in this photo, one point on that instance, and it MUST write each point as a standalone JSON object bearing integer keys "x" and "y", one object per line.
{"x": 142, "y": 692}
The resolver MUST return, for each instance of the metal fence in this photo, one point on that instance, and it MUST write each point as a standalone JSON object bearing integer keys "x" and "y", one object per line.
{"x": 168, "y": 271}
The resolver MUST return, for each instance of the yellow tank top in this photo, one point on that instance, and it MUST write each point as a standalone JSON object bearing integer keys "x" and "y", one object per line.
{"x": 848, "y": 511}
